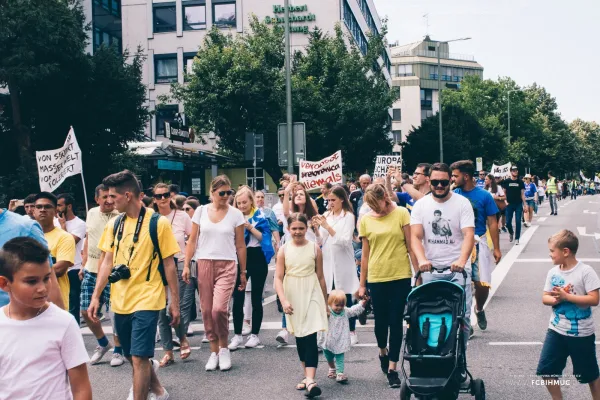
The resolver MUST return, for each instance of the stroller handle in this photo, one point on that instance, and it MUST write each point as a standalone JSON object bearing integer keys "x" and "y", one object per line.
{"x": 440, "y": 270}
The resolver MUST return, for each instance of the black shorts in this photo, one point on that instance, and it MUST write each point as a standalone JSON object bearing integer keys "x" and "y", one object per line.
{"x": 137, "y": 332}
{"x": 557, "y": 348}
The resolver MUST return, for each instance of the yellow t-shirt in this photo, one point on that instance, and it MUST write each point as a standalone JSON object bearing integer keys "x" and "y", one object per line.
{"x": 136, "y": 293}
{"x": 388, "y": 257}
{"x": 95, "y": 224}
{"x": 62, "y": 248}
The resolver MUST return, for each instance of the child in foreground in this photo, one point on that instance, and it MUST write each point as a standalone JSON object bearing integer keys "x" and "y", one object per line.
{"x": 338, "y": 334}
{"x": 42, "y": 355}
{"x": 571, "y": 289}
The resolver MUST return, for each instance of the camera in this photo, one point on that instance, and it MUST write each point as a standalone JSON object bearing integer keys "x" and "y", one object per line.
{"x": 119, "y": 272}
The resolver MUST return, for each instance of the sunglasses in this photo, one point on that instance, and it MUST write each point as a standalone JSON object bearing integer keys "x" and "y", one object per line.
{"x": 162, "y": 196}
{"x": 441, "y": 182}
{"x": 280, "y": 196}
{"x": 223, "y": 193}
{"x": 44, "y": 206}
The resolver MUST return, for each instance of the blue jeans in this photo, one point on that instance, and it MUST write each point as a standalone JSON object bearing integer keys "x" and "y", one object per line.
{"x": 515, "y": 210}
{"x": 552, "y": 200}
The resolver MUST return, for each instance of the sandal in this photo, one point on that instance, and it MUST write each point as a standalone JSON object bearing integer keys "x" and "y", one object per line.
{"x": 301, "y": 385}
{"x": 341, "y": 378}
{"x": 166, "y": 361}
{"x": 185, "y": 352}
{"x": 331, "y": 373}
{"x": 312, "y": 390}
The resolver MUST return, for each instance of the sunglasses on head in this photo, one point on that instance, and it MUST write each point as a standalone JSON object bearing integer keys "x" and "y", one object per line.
{"x": 440, "y": 182}
{"x": 224, "y": 193}
{"x": 159, "y": 196}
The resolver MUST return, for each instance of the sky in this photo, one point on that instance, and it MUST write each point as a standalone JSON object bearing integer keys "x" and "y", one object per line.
{"x": 555, "y": 43}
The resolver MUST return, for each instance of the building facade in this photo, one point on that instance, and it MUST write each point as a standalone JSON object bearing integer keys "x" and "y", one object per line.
{"x": 106, "y": 24}
{"x": 415, "y": 75}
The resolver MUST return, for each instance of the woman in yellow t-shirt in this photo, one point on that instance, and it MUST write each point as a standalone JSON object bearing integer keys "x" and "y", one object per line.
{"x": 385, "y": 264}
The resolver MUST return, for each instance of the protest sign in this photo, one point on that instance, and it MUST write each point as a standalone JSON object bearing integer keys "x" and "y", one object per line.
{"x": 54, "y": 166}
{"x": 502, "y": 171}
{"x": 383, "y": 162}
{"x": 315, "y": 173}
{"x": 479, "y": 163}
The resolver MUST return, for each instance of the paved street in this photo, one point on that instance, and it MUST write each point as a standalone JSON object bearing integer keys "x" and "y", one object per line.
{"x": 505, "y": 356}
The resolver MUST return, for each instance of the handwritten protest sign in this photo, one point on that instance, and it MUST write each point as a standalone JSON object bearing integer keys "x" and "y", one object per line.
{"x": 54, "y": 166}
{"x": 315, "y": 173}
{"x": 502, "y": 171}
{"x": 383, "y": 162}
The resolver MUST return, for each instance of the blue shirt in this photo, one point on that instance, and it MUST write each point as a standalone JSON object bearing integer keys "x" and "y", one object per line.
{"x": 406, "y": 200}
{"x": 483, "y": 206}
{"x": 480, "y": 183}
{"x": 530, "y": 191}
{"x": 14, "y": 225}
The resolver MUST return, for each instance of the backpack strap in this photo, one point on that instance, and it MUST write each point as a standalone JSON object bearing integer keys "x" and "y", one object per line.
{"x": 154, "y": 237}
{"x": 116, "y": 227}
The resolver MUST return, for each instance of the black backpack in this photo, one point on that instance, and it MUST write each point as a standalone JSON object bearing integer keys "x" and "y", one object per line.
{"x": 154, "y": 237}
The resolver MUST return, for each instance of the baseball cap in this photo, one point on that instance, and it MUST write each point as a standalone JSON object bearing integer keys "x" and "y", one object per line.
{"x": 514, "y": 167}
{"x": 527, "y": 176}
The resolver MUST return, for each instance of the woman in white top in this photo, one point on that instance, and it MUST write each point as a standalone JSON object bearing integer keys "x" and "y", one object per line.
{"x": 217, "y": 244}
{"x": 182, "y": 227}
{"x": 336, "y": 232}
{"x": 301, "y": 203}
{"x": 497, "y": 193}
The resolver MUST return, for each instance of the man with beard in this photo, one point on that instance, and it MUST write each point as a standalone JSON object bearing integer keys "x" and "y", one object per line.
{"x": 485, "y": 210}
{"x": 411, "y": 192}
{"x": 453, "y": 250}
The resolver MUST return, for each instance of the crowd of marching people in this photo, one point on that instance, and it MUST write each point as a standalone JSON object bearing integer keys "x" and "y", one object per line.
{"x": 147, "y": 256}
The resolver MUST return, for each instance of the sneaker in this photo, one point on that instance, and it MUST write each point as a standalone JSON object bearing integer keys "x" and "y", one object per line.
{"x": 253, "y": 341}
{"x": 471, "y": 332}
{"x": 517, "y": 242}
{"x": 510, "y": 237}
{"x": 117, "y": 360}
{"x": 246, "y": 329}
{"x": 190, "y": 331}
{"x": 154, "y": 396}
{"x": 130, "y": 396}
{"x": 213, "y": 362}
{"x": 384, "y": 361}
{"x": 205, "y": 339}
{"x": 393, "y": 379}
{"x": 353, "y": 338}
{"x": 504, "y": 229}
{"x": 527, "y": 224}
{"x": 236, "y": 343}
{"x": 481, "y": 320}
{"x": 224, "y": 360}
{"x": 282, "y": 337}
{"x": 99, "y": 353}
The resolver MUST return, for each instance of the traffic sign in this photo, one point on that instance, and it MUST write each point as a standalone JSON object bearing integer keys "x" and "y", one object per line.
{"x": 299, "y": 132}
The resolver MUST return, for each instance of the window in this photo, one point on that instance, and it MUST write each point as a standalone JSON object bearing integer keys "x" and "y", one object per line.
{"x": 457, "y": 74}
{"x": 111, "y": 6}
{"x": 165, "y": 68}
{"x": 165, "y": 114}
{"x": 354, "y": 28}
{"x": 194, "y": 17}
{"x": 105, "y": 38}
{"x": 396, "y": 114}
{"x": 366, "y": 12}
{"x": 188, "y": 62}
{"x": 426, "y": 114}
{"x": 426, "y": 96}
{"x": 397, "y": 137}
{"x": 224, "y": 14}
{"x": 260, "y": 178}
{"x": 431, "y": 48}
{"x": 433, "y": 72}
{"x": 405, "y": 70}
{"x": 446, "y": 73}
{"x": 164, "y": 17}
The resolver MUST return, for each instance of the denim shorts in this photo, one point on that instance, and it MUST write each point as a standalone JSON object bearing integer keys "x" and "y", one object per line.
{"x": 557, "y": 348}
{"x": 137, "y": 332}
{"x": 531, "y": 203}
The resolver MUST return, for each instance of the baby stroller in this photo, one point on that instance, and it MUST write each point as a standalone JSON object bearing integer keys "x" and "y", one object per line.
{"x": 434, "y": 344}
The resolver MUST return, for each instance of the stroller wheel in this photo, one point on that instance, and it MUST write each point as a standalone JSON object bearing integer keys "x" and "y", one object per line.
{"x": 404, "y": 391}
{"x": 478, "y": 389}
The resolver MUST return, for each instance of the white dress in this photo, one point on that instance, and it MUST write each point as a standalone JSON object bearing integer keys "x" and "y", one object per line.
{"x": 339, "y": 267}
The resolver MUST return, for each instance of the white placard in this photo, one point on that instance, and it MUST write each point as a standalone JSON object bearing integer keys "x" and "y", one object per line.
{"x": 479, "y": 164}
{"x": 502, "y": 171}
{"x": 315, "y": 173}
{"x": 54, "y": 166}
{"x": 383, "y": 162}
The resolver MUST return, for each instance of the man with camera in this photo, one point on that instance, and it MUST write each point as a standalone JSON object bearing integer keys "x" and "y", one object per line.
{"x": 139, "y": 263}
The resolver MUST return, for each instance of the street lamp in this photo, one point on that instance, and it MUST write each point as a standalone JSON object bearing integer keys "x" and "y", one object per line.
{"x": 439, "y": 70}
{"x": 509, "y": 92}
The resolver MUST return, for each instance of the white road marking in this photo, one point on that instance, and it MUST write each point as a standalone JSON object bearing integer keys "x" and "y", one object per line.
{"x": 538, "y": 260}
{"x": 542, "y": 219}
{"x": 515, "y": 343}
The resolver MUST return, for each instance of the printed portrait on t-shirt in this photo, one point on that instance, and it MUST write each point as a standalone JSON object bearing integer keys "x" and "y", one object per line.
{"x": 440, "y": 226}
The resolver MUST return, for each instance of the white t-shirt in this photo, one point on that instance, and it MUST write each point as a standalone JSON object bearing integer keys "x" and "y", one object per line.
{"x": 36, "y": 354}
{"x": 442, "y": 227}
{"x": 567, "y": 318}
{"x": 76, "y": 227}
{"x": 217, "y": 241}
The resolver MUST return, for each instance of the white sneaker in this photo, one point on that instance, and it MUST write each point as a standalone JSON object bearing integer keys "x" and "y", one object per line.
{"x": 224, "y": 359}
{"x": 282, "y": 337}
{"x": 117, "y": 360}
{"x": 190, "y": 331}
{"x": 246, "y": 329}
{"x": 130, "y": 397}
{"x": 205, "y": 339}
{"x": 517, "y": 242}
{"x": 213, "y": 362}
{"x": 154, "y": 396}
{"x": 353, "y": 338}
{"x": 236, "y": 343}
{"x": 253, "y": 341}
{"x": 99, "y": 353}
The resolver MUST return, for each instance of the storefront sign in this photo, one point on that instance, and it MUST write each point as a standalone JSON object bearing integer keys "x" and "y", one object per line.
{"x": 196, "y": 185}
{"x": 178, "y": 133}
{"x": 279, "y": 19}
{"x": 170, "y": 165}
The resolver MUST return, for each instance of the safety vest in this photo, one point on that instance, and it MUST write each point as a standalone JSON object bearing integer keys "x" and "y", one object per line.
{"x": 551, "y": 186}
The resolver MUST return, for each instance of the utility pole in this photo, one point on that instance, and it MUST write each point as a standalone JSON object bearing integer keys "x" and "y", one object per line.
{"x": 509, "y": 92}
{"x": 288, "y": 89}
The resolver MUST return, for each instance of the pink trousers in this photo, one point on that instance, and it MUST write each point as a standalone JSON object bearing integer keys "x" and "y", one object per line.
{"x": 216, "y": 282}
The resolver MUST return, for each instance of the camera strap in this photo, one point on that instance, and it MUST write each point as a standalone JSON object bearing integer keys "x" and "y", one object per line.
{"x": 136, "y": 233}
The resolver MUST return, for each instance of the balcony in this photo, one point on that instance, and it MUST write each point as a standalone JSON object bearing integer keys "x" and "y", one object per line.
{"x": 433, "y": 54}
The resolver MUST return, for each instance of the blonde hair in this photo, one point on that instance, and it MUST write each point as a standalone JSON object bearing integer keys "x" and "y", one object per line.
{"x": 565, "y": 239}
{"x": 162, "y": 186}
{"x": 336, "y": 296}
{"x": 374, "y": 194}
{"x": 245, "y": 190}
